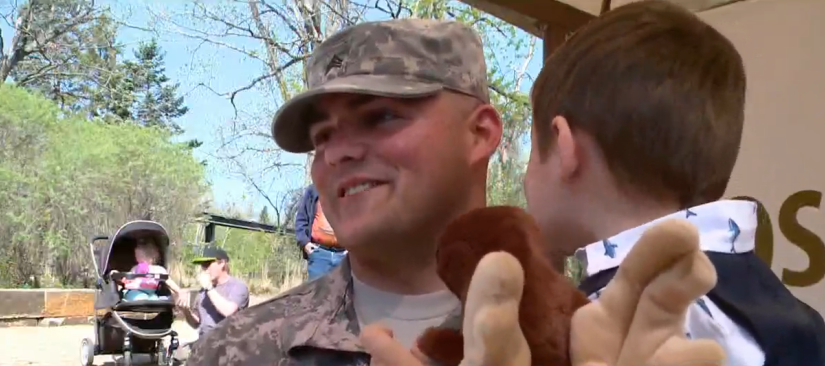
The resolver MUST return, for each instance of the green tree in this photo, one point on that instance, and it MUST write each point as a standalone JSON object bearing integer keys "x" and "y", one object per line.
{"x": 64, "y": 177}
{"x": 154, "y": 99}
{"x": 59, "y": 48}
{"x": 67, "y": 51}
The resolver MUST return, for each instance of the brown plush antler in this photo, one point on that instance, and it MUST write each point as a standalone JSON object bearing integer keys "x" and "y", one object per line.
{"x": 548, "y": 302}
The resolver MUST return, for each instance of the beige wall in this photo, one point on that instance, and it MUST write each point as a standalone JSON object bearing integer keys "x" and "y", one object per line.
{"x": 783, "y": 150}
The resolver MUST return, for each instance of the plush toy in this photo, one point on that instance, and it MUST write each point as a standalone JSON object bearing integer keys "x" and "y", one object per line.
{"x": 547, "y": 302}
{"x": 518, "y": 311}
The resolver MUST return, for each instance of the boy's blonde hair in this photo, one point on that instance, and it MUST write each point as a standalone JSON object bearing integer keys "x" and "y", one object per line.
{"x": 661, "y": 92}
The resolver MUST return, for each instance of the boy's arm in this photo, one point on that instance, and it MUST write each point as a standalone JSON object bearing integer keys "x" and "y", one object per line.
{"x": 191, "y": 314}
{"x": 191, "y": 317}
{"x": 173, "y": 286}
{"x": 170, "y": 283}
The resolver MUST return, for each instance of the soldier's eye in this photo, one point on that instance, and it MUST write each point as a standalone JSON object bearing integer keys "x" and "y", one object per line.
{"x": 380, "y": 116}
{"x": 320, "y": 136}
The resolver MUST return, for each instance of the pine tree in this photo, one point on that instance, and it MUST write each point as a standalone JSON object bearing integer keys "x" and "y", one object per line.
{"x": 155, "y": 99}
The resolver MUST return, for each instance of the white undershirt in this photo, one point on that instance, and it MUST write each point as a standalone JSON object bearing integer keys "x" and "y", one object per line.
{"x": 407, "y": 316}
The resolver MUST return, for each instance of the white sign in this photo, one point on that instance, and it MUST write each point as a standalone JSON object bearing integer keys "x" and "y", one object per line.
{"x": 782, "y": 160}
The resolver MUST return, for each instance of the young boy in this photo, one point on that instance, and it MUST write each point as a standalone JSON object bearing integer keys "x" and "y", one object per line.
{"x": 638, "y": 117}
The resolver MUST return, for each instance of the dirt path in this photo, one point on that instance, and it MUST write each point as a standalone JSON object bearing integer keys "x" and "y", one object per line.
{"x": 60, "y": 346}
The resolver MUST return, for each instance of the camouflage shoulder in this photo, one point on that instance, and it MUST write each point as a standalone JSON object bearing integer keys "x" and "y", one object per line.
{"x": 256, "y": 335}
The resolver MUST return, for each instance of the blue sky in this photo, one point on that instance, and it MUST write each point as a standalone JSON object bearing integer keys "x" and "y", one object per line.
{"x": 191, "y": 64}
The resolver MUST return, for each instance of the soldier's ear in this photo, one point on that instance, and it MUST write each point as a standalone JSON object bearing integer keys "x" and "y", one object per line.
{"x": 486, "y": 128}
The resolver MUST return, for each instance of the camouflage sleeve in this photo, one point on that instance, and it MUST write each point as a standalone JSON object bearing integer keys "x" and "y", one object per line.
{"x": 205, "y": 350}
{"x": 245, "y": 339}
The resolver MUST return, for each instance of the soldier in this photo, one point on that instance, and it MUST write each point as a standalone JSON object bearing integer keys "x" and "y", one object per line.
{"x": 399, "y": 116}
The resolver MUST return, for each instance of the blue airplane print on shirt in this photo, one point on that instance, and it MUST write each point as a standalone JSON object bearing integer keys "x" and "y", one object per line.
{"x": 734, "y": 234}
{"x": 701, "y": 303}
{"x": 609, "y": 248}
{"x": 689, "y": 213}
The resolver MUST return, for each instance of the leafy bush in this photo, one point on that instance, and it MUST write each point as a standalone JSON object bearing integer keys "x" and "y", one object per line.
{"x": 64, "y": 178}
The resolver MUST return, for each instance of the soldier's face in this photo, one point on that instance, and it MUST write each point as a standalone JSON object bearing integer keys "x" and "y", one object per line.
{"x": 389, "y": 171}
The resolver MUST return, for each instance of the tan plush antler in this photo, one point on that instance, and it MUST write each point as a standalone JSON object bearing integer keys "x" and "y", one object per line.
{"x": 491, "y": 330}
{"x": 640, "y": 315}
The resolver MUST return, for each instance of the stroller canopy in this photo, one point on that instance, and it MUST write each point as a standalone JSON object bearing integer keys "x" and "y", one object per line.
{"x": 119, "y": 254}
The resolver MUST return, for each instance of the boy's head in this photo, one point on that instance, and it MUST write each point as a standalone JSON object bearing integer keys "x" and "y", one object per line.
{"x": 644, "y": 106}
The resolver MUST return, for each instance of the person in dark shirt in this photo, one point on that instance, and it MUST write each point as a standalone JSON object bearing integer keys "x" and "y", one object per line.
{"x": 315, "y": 236}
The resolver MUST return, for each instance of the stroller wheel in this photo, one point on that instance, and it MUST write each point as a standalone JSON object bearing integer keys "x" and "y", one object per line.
{"x": 87, "y": 352}
{"x": 159, "y": 357}
{"x": 127, "y": 358}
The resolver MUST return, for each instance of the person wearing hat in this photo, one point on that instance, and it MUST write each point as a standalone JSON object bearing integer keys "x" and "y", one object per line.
{"x": 399, "y": 116}
{"x": 219, "y": 297}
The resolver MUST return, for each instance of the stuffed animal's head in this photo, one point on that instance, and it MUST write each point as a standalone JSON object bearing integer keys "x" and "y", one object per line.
{"x": 548, "y": 301}
{"x": 477, "y": 233}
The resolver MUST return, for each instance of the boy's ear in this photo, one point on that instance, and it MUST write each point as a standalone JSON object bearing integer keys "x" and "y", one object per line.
{"x": 567, "y": 148}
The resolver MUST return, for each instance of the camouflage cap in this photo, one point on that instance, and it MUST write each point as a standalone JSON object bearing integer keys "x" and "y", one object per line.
{"x": 408, "y": 58}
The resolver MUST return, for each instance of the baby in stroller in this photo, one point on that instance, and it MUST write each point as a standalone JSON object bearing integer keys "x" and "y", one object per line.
{"x": 134, "y": 311}
{"x": 145, "y": 288}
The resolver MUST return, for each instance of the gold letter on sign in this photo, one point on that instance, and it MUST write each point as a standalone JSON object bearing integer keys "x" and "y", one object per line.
{"x": 803, "y": 238}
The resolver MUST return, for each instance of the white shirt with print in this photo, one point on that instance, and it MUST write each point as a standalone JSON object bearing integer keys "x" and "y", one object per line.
{"x": 724, "y": 227}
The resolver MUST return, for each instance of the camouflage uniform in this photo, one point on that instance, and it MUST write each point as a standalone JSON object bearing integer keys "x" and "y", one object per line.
{"x": 315, "y": 323}
{"x": 312, "y": 324}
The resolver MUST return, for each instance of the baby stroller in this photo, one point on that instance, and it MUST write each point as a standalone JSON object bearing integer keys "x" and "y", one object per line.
{"x": 130, "y": 327}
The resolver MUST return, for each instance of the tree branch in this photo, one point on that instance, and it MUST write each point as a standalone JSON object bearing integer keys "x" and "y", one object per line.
{"x": 523, "y": 70}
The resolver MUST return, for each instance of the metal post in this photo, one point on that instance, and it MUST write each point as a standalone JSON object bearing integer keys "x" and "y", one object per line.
{"x": 554, "y": 36}
{"x": 209, "y": 233}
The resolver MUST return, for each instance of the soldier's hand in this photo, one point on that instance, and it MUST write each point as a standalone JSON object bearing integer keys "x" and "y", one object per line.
{"x": 385, "y": 350}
